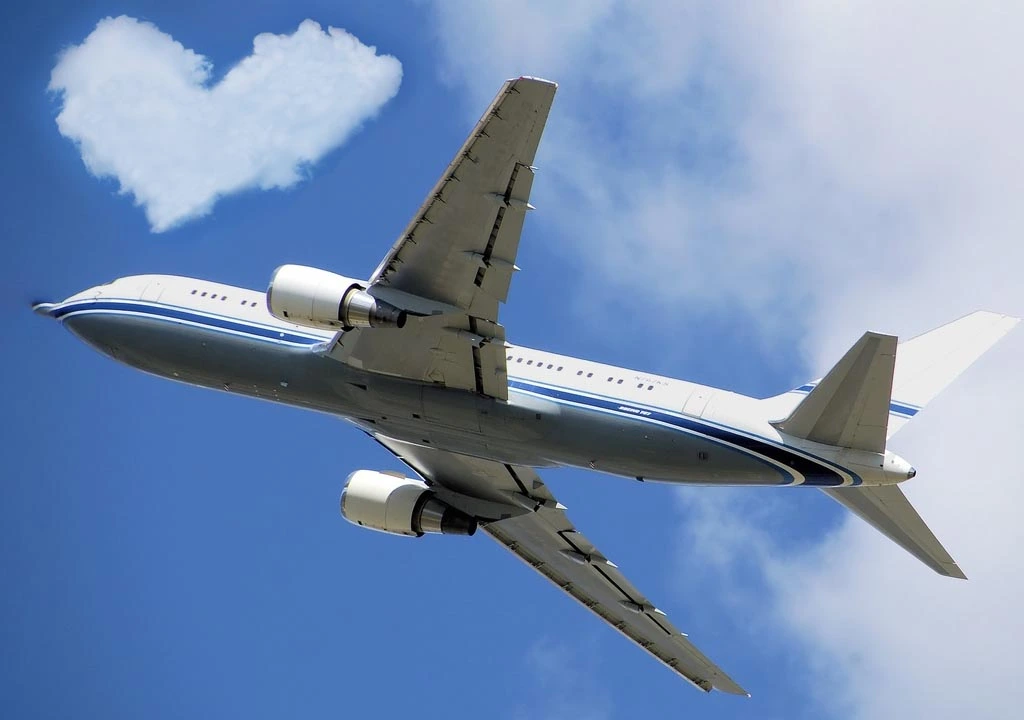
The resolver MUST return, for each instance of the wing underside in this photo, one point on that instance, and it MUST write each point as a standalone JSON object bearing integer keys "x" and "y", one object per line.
{"x": 529, "y": 521}
{"x": 459, "y": 250}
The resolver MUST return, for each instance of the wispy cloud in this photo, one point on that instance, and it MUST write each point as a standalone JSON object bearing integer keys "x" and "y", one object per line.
{"x": 824, "y": 169}
{"x": 562, "y": 685}
{"x": 140, "y": 107}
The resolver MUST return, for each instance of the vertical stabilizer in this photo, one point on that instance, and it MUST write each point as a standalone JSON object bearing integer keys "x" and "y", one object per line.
{"x": 928, "y": 363}
{"x": 881, "y": 386}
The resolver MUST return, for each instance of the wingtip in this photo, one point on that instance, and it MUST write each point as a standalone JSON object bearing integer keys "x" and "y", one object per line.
{"x": 723, "y": 683}
{"x": 732, "y": 689}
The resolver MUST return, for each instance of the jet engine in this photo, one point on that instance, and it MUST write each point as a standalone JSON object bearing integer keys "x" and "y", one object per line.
{"x": 399, "y": 505}
{"x": 317, "y": 298}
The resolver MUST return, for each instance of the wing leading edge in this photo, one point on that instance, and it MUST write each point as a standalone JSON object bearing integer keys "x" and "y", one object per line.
{"x": 530, "y": 522}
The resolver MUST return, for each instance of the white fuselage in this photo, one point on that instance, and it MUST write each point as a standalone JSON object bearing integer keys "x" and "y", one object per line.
{"x": 560, "y": 410}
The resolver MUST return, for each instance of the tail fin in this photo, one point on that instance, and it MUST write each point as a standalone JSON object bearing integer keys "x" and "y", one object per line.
{"x": 853, "y": 406}
{"x": 865, "y": 399}
{"x": 928, "y": 363}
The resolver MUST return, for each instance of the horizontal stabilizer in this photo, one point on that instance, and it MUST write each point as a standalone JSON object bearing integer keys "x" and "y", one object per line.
{"x": 849, "y": 407}
{"x": 888, "y": 510}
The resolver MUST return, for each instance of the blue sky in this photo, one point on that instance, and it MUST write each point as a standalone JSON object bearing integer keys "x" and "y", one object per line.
{"x": 702, "y": 212}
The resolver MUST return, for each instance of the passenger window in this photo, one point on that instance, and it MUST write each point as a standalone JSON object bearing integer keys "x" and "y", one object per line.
{"x": 550, "y": 366}
{"x": 194, "y": 292}
{"x": 609, "y": 379}
{"x": 619, "y": 382}
{"x": 579, "y": 372}
{"x": 529, "y": 362}
{"x": 559, "y": 368}
{"x": 204, "y": 294}
{"x": 253, "y": 304}
{"x": 639, "y": 386}
{"x": 590, "y": 375}
{"x": 519, "y": 359}
{"x": 650, "y": 387}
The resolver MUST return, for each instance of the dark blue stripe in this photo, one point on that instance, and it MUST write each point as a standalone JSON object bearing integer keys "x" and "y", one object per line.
{"x": 168, "y": 312}
{"x": 902, "y": 409}
{"x": 816, "y": 474}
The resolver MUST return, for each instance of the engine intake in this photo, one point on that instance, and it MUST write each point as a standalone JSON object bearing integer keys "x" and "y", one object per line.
{"x": 317, "y": 298}
{"x": 400, "y": 505}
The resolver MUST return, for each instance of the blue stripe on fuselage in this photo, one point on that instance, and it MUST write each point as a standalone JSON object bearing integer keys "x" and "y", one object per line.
{"x": 172, "y": 313}
{"x": 817, "y": 472}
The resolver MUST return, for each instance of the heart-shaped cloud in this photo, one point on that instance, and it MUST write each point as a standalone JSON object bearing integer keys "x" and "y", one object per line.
{"x": 138, "y": 105}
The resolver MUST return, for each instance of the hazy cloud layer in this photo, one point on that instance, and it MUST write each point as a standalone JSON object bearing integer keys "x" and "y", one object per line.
{"x": 562, "y": 686}
{"x": 830, "y": 168}
{"x": 140, "y": 108}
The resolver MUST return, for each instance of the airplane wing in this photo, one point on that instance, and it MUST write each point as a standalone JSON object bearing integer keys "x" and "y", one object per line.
{"x": 459, "y": 250}
{"x": 533, "y": 525}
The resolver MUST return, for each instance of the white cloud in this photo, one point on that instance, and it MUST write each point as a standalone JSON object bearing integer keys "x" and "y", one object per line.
{"x": 141, "y": 109}
{"x": 562, "y": 686}
{"x": 834, "y": 168}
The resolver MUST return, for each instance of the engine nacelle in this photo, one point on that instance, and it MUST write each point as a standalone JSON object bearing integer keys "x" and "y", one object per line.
{"x": 399, "y": 505}
{"x": 317, "y": 298}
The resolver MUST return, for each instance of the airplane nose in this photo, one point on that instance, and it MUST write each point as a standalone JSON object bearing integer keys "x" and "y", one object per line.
{"x": 93, "y": 328}
{"x": 43, "y": 308}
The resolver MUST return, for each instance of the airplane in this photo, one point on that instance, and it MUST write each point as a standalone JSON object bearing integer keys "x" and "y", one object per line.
{"x": 415, "y": 357}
